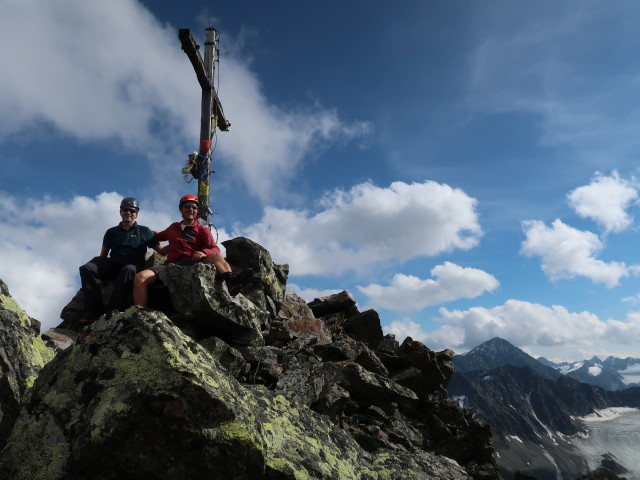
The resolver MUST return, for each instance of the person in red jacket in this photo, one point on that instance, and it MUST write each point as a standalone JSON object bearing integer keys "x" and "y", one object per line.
{"x": 189, "y": 243}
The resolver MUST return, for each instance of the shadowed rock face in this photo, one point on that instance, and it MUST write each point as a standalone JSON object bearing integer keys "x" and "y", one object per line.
{"x": 22, "y": 355}
{"x": 260, "y": 385}
{"x": 136, "y": 398}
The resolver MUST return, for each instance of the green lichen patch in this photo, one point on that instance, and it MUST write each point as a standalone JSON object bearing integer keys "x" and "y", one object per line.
{"x": 9, "y": 303}
{"x": 47, "y": 463}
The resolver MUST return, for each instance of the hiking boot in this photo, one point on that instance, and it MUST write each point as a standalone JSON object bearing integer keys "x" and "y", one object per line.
{"x": 235, "y": 283}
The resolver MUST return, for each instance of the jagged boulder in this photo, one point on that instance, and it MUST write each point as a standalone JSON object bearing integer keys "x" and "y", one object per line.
{"x": 303, "y": 330}
{"x": 385, "y": 395}
{"x": 365, "y": 326}
{"x": 334, "y": 308}
{"x": 136, "y": 398}
{"x": 269, "y": 285}
{"x": 196, "y": 298}
{"x": 200, "y": 297}
{"x": 59, "y": 339}
{"x": 22, "y": 356}
{"x": 293, "y": 306}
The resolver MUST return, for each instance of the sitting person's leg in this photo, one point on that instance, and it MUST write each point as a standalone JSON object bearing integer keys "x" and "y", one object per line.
{"x": 141, "y": 283}
{"x": 120, "y": 297}
{"x": 234, "y": 282}
{"x": 221, "y": 264}
{"x": 92, "y": 274}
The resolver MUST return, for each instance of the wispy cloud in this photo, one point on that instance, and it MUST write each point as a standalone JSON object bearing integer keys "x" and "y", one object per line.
{"x": 570, "y": 66}
{"x": 112, "y": 72}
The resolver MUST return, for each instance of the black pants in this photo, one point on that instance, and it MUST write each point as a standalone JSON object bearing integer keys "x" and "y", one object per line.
{"x": 105, "y": 268}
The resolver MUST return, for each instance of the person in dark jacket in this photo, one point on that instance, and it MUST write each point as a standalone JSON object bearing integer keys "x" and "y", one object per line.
{"x": 122, "y": 256}
{"x": 189, "y": 243}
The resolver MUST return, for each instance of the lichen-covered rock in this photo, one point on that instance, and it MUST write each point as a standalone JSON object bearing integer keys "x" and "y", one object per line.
{"x": 136, "y": 398}
{"x": 22, "y": 356}
{"x": 264, "y": 363}
{"x": 293, "y": 306}
{"x": 229, "y": 357}
{"x": 325, "y": 356}
{"x": 271, "y": 278}
{"x": 198, "y": 295}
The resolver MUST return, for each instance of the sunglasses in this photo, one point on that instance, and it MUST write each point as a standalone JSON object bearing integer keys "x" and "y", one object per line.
{"x": 129, "y": 210}
{"x": 193, "y": 207}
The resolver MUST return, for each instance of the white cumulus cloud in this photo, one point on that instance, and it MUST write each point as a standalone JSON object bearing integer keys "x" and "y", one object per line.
{"x": 567, "y": 252}
{"x": 524, "y": 323}
{"x": 369, "y": 225}
{"x": 450, "y": 282}
{"x": 531, "y": 326}
{"x": 605, "y": 200}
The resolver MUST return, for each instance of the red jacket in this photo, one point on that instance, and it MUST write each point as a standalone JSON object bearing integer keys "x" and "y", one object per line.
{"x": 180, "y": 247}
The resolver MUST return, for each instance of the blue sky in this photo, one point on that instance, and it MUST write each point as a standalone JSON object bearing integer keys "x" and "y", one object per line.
{"x": 468, "y": 169}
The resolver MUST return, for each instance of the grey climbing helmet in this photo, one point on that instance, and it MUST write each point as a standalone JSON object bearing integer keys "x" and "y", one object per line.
{"x": 129, "y": 202}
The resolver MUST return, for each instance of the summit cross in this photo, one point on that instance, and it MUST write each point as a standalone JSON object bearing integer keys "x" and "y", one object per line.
{"x": 211, "y": 114}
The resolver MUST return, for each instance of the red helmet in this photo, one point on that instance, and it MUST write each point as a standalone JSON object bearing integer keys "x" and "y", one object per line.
{"x": 189, "y": 198}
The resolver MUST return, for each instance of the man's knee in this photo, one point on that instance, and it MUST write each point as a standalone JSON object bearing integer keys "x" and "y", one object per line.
{"x": 145, "y": 278}
{"x": 215, "y": 258}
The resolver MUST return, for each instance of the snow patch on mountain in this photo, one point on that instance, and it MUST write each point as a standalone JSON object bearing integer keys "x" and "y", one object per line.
{"x": 609, "y": 414}
{"x": 570, "y": 367}
{"x": 595, "y": 370}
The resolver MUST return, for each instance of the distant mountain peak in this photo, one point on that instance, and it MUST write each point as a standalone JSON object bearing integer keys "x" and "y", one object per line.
{"x": 495, "y": 345}
{"x": 498, "y": 352}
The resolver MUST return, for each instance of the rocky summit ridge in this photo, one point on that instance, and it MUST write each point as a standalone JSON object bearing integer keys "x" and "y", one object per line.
{"x": 205, "y": 385}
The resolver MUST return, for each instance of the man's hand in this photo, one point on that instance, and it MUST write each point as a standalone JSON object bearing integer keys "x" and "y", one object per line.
{"x": 198, "y": 256}
{"x": 161, "y": 250}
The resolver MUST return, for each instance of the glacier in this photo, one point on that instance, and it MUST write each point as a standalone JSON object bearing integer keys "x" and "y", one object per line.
{"x": 614, "y": 431}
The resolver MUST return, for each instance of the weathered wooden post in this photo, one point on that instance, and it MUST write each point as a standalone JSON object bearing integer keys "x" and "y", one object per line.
{"x": 211, "y": 110}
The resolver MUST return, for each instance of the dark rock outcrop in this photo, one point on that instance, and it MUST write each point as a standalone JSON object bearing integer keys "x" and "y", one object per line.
{"x": 22, "y": 355}
{"x": 136, "y": 398}
{"x": 260, "y": 385}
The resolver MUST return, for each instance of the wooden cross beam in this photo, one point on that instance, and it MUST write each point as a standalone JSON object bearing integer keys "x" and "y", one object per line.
{"x": 210, "y": 108}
